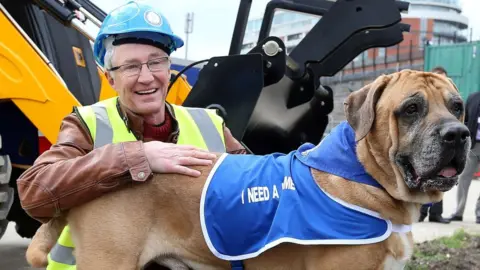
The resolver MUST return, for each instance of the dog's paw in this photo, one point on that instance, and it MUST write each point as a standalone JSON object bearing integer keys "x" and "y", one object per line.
{"x": 36, "y": 257}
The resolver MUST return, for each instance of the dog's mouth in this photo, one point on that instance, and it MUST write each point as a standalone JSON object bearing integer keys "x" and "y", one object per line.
{"x": 442, "y": 178}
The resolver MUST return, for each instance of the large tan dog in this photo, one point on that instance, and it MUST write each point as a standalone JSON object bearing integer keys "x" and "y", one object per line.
{"x": 410, "y": 138}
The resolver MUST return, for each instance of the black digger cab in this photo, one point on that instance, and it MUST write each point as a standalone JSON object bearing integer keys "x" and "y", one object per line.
{"x": 274, "y": 102}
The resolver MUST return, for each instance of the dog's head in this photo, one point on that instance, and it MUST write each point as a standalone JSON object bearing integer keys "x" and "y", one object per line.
{"x": 410, "y": 133}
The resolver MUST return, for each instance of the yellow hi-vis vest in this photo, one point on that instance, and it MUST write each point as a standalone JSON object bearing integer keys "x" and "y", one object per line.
{"x": 198, "y": 127}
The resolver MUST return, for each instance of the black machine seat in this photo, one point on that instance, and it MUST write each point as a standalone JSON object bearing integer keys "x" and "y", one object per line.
{"x": 276, "y": 127}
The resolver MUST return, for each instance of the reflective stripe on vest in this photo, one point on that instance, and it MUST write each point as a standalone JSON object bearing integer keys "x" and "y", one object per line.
{"x": 209, "y": 132}
{"x": 207, "y": 129}
{"x": 62, "y": 254}
{"x": 106, "y": 126}
{"x": 103, "y": 130}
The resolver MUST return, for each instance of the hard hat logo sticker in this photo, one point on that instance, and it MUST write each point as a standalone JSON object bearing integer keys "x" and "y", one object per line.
{"x": 153, "y": 18}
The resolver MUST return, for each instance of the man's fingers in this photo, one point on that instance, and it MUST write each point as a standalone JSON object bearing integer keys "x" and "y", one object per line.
{"x": 187, "y": 171}
{"x": 204, "y": 155}
{"x": 196, "y": 154}
{"x": 191, "y": 161}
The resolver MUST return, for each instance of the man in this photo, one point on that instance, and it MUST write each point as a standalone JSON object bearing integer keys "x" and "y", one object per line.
{"x": 434, "y": 210}
{"x": 472, "y": 118}
{"x": 120, "y": 142}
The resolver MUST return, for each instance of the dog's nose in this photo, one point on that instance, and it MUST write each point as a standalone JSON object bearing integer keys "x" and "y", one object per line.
{"x": 454, "y": 133}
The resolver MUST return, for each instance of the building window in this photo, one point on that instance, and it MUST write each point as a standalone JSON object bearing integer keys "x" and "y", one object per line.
{"x": 254, "y": 25}
{"x": 294, "y": 37}
{"x": 380, "y": 52}
{"x": 361, "y": 57}
{"x": 247, "y": 46}
{"x": 448, "y": 2}
{"x": 445, "y": 27}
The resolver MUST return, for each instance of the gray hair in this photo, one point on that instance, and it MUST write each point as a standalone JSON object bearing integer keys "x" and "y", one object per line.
{"x": 109, "y": 51}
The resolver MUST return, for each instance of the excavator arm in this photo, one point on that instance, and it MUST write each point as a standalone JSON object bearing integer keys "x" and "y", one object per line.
{"x": 29, "y": 81}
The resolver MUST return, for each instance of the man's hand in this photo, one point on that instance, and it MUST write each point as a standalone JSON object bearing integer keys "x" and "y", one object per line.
{"x": 232, "y": 144}
{"x": 173, "y": 158}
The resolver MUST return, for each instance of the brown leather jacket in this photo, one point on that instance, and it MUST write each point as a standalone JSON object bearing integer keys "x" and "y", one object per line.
{"x": 71, "y": 172}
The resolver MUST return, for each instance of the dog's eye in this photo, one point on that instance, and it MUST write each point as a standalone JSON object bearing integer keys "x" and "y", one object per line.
{"x": 457, "y": 107}
{"x": 411, "y": 109}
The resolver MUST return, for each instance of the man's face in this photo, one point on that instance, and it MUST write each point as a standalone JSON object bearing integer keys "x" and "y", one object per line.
{"x": 143, "y": 93}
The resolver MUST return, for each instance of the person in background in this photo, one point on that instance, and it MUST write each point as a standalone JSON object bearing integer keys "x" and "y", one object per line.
{"x": 472, "y": 120}
{"x": 434, "y": 211}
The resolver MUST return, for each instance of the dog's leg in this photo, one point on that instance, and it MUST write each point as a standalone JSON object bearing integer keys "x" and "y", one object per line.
{"x": 43, "y": 241}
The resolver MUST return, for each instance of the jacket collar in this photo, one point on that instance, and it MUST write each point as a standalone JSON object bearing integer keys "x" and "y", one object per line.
{"x": 135, "y": 122}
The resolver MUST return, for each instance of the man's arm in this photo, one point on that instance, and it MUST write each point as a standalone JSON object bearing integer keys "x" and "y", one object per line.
{"x": 72, "y": 173}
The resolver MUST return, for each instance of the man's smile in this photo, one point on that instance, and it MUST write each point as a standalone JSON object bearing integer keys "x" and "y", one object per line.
{"x": 146, "y": 92}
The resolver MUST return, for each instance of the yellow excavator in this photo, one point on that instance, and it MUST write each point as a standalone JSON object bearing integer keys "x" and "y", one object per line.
{"x": 272, "y": 102}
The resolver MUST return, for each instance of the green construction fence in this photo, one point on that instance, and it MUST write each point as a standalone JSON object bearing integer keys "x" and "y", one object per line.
{"x": 461, "y": 61}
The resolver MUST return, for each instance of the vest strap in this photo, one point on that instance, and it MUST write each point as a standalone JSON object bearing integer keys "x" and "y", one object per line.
{"x": 237, "y": 265}
{"x": 62, "y": 254}
{"x": 104, "y": 131}
{"x": 207, "y": 129}
{"x": 401, "y": 228}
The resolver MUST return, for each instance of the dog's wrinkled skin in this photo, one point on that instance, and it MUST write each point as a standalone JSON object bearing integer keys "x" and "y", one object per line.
{"x": 411, "y": 139}
{"x": 423, "y": 118}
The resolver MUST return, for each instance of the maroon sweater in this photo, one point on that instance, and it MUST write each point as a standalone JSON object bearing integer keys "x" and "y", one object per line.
{"x": 158, "y": 132}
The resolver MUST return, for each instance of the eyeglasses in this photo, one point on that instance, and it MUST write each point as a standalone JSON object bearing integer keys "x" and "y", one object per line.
{"x": 154, "y": 65}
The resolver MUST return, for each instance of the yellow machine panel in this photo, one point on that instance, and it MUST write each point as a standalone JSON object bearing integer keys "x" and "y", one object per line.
{"x": 30, "y": 83}
{"x": 106, "y": 91}
{"x": 179, "y": 90}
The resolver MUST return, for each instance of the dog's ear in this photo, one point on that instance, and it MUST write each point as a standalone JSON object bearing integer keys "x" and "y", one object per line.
{"x": 453, "y": 84}
{"x": 360, "y": 105}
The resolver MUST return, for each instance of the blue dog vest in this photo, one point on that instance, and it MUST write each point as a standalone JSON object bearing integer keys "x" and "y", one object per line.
{"x": 252, "y": 203}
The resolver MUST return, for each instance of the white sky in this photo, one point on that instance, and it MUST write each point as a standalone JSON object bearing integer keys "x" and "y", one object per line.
{"x": 212, "y": 37}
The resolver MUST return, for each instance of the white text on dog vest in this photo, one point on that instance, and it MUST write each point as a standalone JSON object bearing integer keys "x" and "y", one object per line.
{"x": 262, "y": 194}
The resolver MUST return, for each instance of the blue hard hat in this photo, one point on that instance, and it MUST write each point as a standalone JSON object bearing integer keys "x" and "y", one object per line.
{"x": 136, "y": 22}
